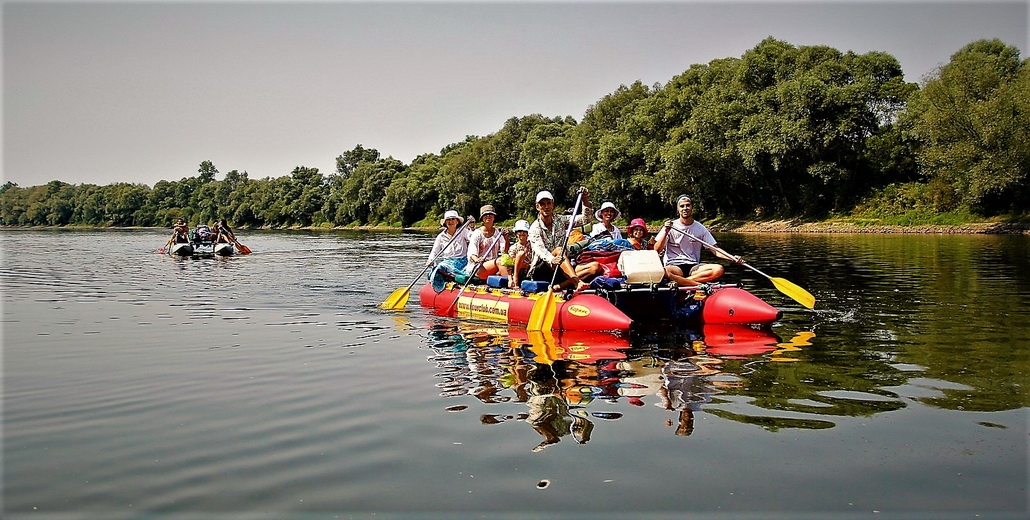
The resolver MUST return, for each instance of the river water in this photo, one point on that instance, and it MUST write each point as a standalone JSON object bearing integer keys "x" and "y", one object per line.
{"x": 136, "y": 385}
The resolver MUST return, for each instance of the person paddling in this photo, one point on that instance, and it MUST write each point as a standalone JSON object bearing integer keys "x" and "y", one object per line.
{"x": 449, "y": 256}
{"x": 683, "y": 253}
{"x": 223, "y": 233}
{"x": 547, "y": 234}
{"x": 180, "y": 232}
{"x": 480, "y": 242}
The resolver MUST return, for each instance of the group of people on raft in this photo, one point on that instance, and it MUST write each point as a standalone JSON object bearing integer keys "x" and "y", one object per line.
{"x": 219, "y": 233}
{"x": 537, "y": 253}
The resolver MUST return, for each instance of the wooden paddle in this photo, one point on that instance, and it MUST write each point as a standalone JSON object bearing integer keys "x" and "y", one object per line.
{"x": 545, "y": 309}
{"x": 164, "y": 249}
{"x": 399, "y": 298}
{"x": 244, "y": 250}
{"x": 475, "y": 270}
{"x": 782, "y": 284}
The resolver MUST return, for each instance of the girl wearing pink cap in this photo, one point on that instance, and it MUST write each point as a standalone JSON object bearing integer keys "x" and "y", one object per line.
{"x": 638, "y": 235}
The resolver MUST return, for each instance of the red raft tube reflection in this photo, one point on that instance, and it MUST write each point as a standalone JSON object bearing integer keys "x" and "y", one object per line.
{"x": 584, "y": 312}
{"x": 738, "y": 341}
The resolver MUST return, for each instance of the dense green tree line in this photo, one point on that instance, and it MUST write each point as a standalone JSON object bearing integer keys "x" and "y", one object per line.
{"x": 782, "y": 131}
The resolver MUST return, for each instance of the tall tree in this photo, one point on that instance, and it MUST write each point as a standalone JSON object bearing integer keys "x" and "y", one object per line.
{"x": 973, "y": 120}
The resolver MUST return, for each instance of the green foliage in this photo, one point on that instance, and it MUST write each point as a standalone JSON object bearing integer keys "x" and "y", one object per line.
{"x": 973, "y": 122}
{"x": 782, "y": 131}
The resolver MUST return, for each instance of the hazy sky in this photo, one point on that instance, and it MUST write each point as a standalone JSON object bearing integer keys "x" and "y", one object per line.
{"x": 145, "y": 91}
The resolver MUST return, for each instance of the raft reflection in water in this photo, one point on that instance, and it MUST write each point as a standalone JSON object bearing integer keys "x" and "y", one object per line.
{"x": 561, "y": 379}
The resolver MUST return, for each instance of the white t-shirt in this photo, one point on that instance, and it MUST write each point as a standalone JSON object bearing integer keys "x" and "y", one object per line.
{"x": 599, "y": 228}
{"x": 479, "y": 245}
{"x": 457, "y": 249}
{"x": 682, "y": 249}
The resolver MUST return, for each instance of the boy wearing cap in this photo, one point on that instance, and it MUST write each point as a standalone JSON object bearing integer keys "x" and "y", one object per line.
{"x": 683, "y": 253}
{"x": 486, "y": 246}
{"x": 547, "y": 235}
{"x": 520, "y": 255}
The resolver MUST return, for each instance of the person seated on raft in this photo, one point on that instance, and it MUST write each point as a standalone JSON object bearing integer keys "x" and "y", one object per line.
{"x": 180, "y": 232}
{"x": 638, "y": 235}
{"x": 519, "y": 255}
{"x": 547, "y": 236}
{"x": 479, "y": 250}
{"x": 451, "y": 258}
{"x": 223, "y": 233}
{"x": 683, "y": 253}
{"x": 606, "y": 215}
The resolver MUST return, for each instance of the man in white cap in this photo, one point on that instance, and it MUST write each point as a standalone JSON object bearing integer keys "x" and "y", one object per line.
{"x": 547, "y": 235}
{"x": 683, "y": 253}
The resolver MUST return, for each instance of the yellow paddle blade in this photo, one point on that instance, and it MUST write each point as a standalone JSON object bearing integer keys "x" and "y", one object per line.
{"x": 397, "y": 299}
{"x": 543, "y": 347}
{"x": 794, "y": 291}
{"x": 544, "y": 310}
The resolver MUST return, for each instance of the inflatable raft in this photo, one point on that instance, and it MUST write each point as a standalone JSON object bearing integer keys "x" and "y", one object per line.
{"x": 201, "y": 249}
{"x": 605, "y": 310}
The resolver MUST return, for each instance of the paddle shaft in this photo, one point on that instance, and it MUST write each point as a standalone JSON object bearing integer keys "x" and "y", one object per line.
{"x": 568, "y": 233}
{"x": 785, "y": 286}
{"x": 399, "y": 297}
{"x": 541, "y": 318}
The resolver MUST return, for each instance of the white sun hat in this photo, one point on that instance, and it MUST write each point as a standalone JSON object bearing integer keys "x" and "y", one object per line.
{"x": 449, "y": 214}
{"x": 521, "y": 225}
{"x": 605, "y": 206}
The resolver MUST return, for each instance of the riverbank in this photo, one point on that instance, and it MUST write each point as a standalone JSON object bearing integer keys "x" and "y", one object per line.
{"x": 795, "y": 226}
{"x": 839, "y": 226}
{"x": 718, "y": 225}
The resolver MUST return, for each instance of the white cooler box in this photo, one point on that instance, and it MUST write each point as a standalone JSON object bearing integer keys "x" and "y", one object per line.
{"x": 641, "y": 266}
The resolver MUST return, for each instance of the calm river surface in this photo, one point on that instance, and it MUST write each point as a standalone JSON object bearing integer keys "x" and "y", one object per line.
{"x": 271, "y": 386}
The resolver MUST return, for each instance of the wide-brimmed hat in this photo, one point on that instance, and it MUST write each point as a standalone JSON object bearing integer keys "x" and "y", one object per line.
{"x": 605, "y": 206}
{"x": 449, "y": 214}
{"x": 544, "y": 195}
{"x": 521, "y": 225}
{"x": 637, "y": 222}
{"x": 487, "y": 210}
